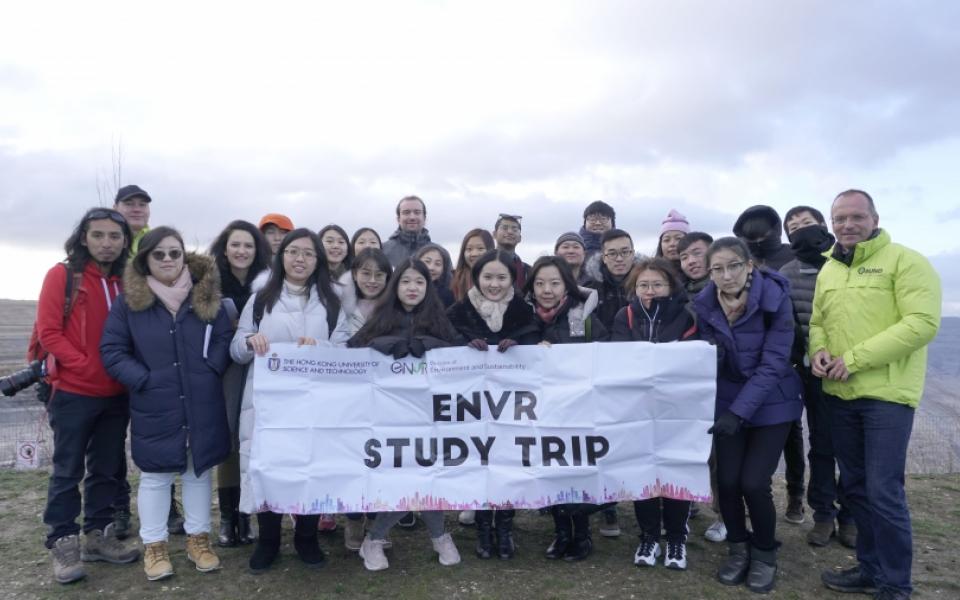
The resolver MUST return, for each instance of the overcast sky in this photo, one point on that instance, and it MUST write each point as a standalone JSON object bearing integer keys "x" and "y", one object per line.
{"x": 330, "y": 112}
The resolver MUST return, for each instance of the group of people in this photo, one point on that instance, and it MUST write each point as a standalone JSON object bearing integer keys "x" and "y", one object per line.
{"x": 141, "y": 331}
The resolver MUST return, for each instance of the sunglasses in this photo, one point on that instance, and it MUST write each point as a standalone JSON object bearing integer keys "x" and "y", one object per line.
{"x": 160, "y": 255}
{"x": 104, "y": 213}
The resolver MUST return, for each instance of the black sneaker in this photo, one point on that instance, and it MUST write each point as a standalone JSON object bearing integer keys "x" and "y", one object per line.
{"x": 409, "y": 520}
{"x": 611, "y": 523}
{"x": 676, "y": 556}
{"x": 849, "y": 581}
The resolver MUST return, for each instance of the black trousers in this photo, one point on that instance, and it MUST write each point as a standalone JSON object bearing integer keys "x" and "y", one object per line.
{"x": 794, "y": 460}
{"x": 88, "y": 434}
{"x": 268, "y": 526}
{"x": 746, "y": 462}
{"x": 674, "y": 517}
{"x": 824, "y": 493}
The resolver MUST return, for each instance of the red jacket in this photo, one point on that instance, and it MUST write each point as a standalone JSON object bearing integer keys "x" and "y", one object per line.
{"x": 74, "y": 364}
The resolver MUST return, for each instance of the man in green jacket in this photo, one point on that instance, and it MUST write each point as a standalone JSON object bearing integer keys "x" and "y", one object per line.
{"x": 875, "y": 309}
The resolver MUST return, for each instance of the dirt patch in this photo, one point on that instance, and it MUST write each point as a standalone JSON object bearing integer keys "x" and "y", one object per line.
{"x": 414, "y": 572}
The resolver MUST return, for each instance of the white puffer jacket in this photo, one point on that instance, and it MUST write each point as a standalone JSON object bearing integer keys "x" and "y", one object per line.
{"x": 289, "y": 320}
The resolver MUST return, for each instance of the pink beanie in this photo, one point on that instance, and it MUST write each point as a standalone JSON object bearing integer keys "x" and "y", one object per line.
{"x": 674, "y": 222}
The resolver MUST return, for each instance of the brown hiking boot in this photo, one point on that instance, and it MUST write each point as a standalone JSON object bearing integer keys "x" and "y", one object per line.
{"x": 847, "y": 534}
{"x": 201, "y": 554}
{"x": 65, "y": 556}
{"x": 104, "y": 545}
{"x": 821, "y": 533}
{"x": 156, "y": 561}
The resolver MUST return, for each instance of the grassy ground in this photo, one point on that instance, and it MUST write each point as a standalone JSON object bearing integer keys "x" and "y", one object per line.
{"x": 414, "y": 572}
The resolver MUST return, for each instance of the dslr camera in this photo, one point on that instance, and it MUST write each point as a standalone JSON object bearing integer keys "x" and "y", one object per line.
{"x": 33, "y": 373}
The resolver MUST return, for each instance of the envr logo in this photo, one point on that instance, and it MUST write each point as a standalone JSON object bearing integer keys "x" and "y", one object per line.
{"x": 869, "y": 271}
{"x": 399, "y": 368}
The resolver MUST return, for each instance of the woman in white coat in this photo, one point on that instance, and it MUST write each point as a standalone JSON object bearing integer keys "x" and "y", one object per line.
{"x": 298, "y": 305}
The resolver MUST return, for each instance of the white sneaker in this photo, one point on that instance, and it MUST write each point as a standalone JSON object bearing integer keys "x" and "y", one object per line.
{"x": 647, "y": 552}
{"x": 676, "y": 556}
{"x": 444, "y": 546}
{"x": 371, "y": 551}
{"x": 467, "y": 517}
{"x": 716, "y": 533}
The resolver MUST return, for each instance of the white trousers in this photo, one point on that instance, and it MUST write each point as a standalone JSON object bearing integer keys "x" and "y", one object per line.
{"x": 153, "y": 502}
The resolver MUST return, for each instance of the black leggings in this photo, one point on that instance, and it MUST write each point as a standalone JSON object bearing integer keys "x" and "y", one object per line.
{"x": 675, "y": 515}
{"x": 745, "y": 463}
{"x": 269, "y": 525}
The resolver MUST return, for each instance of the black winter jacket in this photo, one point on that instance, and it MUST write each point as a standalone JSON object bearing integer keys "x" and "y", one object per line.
{"x": 612, "y": 296}
{"x": 668, "y": 319}
{"x": 519, "y": 323}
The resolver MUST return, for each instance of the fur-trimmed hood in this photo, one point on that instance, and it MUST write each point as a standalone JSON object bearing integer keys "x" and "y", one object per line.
{"x": 204, "y": 295}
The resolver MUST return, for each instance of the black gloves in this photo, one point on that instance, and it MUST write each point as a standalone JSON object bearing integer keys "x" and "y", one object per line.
{"x": 726, "y": 424}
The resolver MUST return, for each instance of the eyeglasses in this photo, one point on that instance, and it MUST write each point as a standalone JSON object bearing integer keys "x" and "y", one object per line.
{"x": 614, "y": 254}
{"x": 296, "y": 253}
{"x": 415, "y": 212}
{"x": 733, "y": 268}
{"x": 657, "y": 286}
{"x": 161, "y": 255}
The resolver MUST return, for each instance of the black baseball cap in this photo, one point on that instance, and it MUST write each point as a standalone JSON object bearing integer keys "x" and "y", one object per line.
{"x": 131, "y": 191}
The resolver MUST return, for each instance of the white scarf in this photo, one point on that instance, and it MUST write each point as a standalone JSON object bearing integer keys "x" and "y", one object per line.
{"x": 491, "y": 312}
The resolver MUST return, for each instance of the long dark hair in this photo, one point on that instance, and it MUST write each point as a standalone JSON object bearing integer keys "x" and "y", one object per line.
{"x": 348, "y": 259}
{"x": 569, "y": 281}
{"x": 261, "y": 260}
{"x": 444, "y": 281}
{"x": 428, "y": 318}
{"x": 378, "y": 258}
{"x": 500, "y": 256}
{"x": 462, "y": 280}
{"x": 361, "y": 231}
{"x": 149, "y": 243}
{"x": 78, "y": 254}
{"x": 319, "y": 279}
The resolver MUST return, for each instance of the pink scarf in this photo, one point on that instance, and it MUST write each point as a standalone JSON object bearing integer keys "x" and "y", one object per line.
{"x": 172, "y": 296}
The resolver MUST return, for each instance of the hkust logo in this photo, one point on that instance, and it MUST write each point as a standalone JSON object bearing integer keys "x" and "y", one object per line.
{"x": 273, "y": 363}
{"x": 400, "y": 367}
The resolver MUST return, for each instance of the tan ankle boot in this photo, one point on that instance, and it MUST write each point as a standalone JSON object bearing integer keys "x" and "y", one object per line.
{"x": 201, "y": 554}
{"x": 156, "y": 561}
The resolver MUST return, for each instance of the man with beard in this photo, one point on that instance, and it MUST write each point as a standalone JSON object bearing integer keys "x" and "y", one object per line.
{"x": 411, "y": 233}
{"x": 759, "y": 226}
{"x": 809, "y": 239}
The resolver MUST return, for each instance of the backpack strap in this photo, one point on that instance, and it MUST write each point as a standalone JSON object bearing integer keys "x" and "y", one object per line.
{"x": 630, "y": 317}
{"x": 588, "y": 328}
{"x": 259, "y": 303}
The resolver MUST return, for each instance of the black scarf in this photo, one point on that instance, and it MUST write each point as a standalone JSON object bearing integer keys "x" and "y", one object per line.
{"x": 591, "y": 240}
{"x": 765, "y": 247}
{"x": 809, "y": 243}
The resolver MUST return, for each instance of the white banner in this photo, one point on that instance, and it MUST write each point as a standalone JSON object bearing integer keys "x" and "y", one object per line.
{"x": 354, "y": 430}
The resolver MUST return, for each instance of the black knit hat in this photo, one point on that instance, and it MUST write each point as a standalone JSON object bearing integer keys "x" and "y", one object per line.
{"x": 599, "y": 207}
{"x": 570, "y": 236}
{"x": 131, "y": 191}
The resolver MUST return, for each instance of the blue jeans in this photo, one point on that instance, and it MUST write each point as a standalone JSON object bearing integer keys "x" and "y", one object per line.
{"x": 870, "y": 439}
{"x": 824, "y": 492}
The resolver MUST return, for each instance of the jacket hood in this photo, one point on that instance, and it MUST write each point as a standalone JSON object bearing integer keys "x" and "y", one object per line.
{"x": 204, "y": 296}
{"x": 759, "y": 210}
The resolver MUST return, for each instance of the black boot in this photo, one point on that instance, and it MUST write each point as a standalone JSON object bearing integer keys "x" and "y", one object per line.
{"x": 503, "y": 521}
{"x": 305, "y": 540}
{"x": 734, "y": 570}
{"x": 563, "y": 528}
{"x": 227, "y": 538}
{"x": 582, "y": 544}
{"x": 268, "y": 546}
{"x": 763, "y": 570}
{"x": 121, "y": 522}
{"x": 174, "y": 517}
{"x": 484, "y": 522}
{"x": 245, "y": 533}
